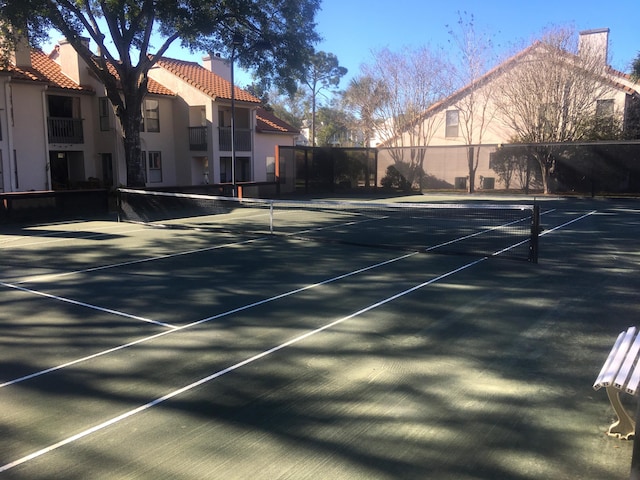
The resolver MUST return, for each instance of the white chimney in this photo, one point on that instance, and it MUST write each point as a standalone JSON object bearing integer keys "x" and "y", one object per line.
{"x": 21, "y": 54}
{"x": 595, "y": 43}
{"x": 70, "y": 62}
{"x": 218, "y": 65}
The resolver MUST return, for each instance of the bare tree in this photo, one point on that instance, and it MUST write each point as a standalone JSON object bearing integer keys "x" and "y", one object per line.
{"x": 475, "y": 49}
{"x": 412, "y": 81}
{"x": 550, "y": 94}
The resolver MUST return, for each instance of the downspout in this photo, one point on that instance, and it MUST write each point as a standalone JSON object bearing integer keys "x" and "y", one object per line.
{"x": 47, "y": 164}
{"x": 13, "y": 167}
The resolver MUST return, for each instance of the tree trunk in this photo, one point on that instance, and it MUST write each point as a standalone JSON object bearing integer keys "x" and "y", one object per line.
{"x": 130, "y": 116}
{"x": 133, "y": 152}
{"x": 472, "y": 170}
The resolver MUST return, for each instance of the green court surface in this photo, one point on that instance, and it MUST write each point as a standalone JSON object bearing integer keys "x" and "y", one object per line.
{"x": 136, "y": 352}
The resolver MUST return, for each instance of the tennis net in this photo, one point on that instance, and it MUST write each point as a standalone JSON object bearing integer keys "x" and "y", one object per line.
{"x": 504, "y": 230}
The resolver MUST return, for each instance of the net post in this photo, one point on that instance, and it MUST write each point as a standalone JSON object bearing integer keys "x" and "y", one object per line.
{"x": 119, "y": 204}
{"x": 271, "y": 217}
{"x": 535, "y": 234}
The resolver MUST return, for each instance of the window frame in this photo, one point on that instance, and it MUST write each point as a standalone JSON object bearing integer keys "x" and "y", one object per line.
{"x": 452, "y": 130}
{"x": 103, "y": 114}
{"x": 610, "y": 108}
{"x": 150, "y": 116}
{"x": 154, "y": 166}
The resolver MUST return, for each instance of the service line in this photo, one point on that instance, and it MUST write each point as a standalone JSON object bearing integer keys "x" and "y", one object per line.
{"x": 198, "y": 322}
{"x": 230, "y": 369}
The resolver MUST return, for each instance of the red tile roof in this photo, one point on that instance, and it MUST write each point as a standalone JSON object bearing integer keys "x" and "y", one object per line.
{"x": 205, "y": 80}
{"x": 267, "y": 122}
{"x": 152, "y": 86}
{"x": 52, "y": 72}
{"x": 46, "y": 70}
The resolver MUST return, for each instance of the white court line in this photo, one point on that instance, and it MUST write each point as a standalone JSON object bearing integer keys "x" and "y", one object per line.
{"x": 208, "y": 319}
{"x": 133, "y": 262}
{"x": 87, "y": 305}
{"x": 568, "y": 223}
{"x": 204, "y": 320}
{"x": 230, "y": 369}
{"x": 236, "y": 366}
{"x": 49, "y": 237}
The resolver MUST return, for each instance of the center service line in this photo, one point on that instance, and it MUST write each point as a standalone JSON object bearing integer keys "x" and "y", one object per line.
{"x": 230, "y": 369}
{"x": 204, "y": 320}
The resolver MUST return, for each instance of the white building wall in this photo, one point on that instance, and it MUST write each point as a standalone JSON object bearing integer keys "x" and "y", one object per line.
{"x": 265, "y": 152}
{"x": 163, "y": 141}
{"x": 28, "y": 169}
{"x": 5, "y": 135}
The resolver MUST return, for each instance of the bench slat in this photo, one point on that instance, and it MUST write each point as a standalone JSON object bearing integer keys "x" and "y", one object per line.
{"x": 632, "y": 384}
{"x": 630, "y": 358}
{"x": 615, "y": 359}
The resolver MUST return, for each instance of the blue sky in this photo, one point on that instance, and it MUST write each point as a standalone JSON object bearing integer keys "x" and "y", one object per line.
{"x": 353, "y": 28}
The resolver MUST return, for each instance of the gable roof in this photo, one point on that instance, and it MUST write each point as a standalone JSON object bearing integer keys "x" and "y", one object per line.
{"x": 153, "y": 87}
{"x": 44, "y": 70}
{"x": 205, "y": 80}
{"x": 267, "y": 122}
{"x": 617, "y": 79}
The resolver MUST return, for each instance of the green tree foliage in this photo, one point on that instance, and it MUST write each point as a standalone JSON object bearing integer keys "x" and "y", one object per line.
{"x": 364, "y": 97}
{"x": 635, "y": 69}
{"x": 323, "y": 73}
{"x": 131, "y": 35}
{"x": 333, "y": 127}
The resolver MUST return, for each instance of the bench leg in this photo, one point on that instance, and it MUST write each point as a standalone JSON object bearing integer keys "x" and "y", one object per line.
{"x": 624, "y": 428}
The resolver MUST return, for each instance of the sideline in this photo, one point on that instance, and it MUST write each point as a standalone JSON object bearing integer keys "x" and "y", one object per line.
{"x": 230, "y": 369}
{"x": 254, "y": 358}
{"x": 204, "y": 320}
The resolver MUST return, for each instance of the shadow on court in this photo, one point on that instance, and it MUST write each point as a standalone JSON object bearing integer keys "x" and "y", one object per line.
{"x": 484, "y": 374}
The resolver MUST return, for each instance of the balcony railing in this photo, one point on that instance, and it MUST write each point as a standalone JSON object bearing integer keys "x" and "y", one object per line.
{"x": 65, "y": 130}
{"x": 243, "y": 139}
{"x": 198, "y": 138}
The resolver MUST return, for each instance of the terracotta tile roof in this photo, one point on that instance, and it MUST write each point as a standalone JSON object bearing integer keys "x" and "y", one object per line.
{"x": 45, "y": 70}
{"x": 267, "y": 122}
{"x": 204, "y": 80}
{"x": 152, "y": 86}
{"x": 53, "y": 73}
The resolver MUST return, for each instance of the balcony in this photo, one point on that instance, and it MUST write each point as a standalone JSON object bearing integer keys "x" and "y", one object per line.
{"x": 243, "y": 139}
{"x": 65, "y": 130}
{"x": 198, "y": 139}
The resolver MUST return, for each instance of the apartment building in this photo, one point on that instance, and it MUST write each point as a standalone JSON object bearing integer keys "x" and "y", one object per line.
{"x": 58, "y": 130}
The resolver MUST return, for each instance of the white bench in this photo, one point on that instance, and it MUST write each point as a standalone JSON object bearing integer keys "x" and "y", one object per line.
{"x": 621, "y": 373}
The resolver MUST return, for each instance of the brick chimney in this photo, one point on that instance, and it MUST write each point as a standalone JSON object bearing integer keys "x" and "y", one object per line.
{"x": 595, "y": 43}
{"x": 218, "y": 65}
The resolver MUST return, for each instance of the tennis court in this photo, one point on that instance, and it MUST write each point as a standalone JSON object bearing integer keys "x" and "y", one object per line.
{"x": 132, "y": 351}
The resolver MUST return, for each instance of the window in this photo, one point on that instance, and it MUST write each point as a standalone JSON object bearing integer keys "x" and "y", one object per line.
{"x": 604, "y": 108}
{"x": 271, "y": 169}
{"x": 452, "y": 123}
{"x": 155, "y": 167}
{"x": 151, "y": 116}
{"x": 103, "y": 113}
